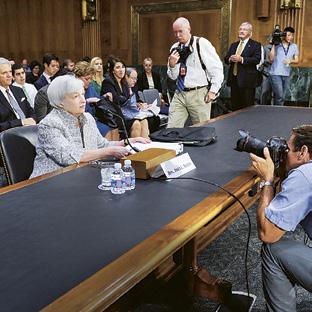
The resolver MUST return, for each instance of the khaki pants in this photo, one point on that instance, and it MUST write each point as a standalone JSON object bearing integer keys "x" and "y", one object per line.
{"x": 186, "y": 104}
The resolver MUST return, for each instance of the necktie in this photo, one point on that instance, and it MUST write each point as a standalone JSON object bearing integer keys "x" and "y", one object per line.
{"x": 181, "y": 77}
{"x": 27, "y": 95}
{"x": 18, "y": 111}
{"x": 239, "y": 51}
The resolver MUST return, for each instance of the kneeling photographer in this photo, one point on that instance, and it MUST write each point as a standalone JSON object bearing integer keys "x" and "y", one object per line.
{"x": 285, "y": 262}
{"x": 283, "y": 53}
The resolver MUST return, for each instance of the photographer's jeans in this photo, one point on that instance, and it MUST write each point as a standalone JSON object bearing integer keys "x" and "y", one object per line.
{"x": 279, "y": 87}
{"x": 285, "y": 264}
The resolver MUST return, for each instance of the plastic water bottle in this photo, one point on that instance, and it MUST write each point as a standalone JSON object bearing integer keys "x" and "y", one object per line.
{"x": 117, "y": 186}
{"x": 129, "y": 175}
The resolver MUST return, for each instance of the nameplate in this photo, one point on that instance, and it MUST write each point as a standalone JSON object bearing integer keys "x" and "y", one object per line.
{"x": 175, "y": 167}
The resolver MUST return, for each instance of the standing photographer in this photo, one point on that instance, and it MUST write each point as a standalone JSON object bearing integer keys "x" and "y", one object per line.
{"x": 286, "y": 262}
{"x": 283, "y": 53}
{"x": 185, "y": 64}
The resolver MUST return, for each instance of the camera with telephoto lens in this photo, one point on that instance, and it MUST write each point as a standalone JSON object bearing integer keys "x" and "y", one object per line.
{"x": 184, "y": 52}
{"x": 277, "y": 146}
{"x": 277, "y": 35}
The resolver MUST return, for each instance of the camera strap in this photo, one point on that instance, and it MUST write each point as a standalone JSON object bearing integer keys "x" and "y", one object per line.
{"x": 201, "y": 61}
{"x": 286, "y": 50}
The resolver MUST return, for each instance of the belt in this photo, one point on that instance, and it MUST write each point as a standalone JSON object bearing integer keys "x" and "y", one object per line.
{"x": 192, "y": 89}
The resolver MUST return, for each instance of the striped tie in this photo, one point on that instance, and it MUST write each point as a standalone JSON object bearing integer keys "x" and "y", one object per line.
{"x": 239, "y": 51}
{"x": 18, "y": 111}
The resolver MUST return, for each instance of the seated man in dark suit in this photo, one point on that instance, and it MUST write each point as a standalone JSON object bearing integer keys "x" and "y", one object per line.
{"x": 243, "y": 56}
{"x": 14, "y": 108}
{"x": 51, "y": 67}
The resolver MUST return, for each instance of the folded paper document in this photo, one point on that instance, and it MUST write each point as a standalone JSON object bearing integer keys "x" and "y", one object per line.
{"x": 177, "y": 147}
{"x": 150, "y": 111}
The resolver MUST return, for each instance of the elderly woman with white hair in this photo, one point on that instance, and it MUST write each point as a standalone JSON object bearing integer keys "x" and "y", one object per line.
{"x": 68, "y": 135}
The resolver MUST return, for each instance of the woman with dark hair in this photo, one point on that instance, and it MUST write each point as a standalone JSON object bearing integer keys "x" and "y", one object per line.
{"x": 116, "y": 84}
{"x": 35, "y": 73}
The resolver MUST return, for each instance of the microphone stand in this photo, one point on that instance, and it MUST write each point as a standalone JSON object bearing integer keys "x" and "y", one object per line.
{"x": 124, "y": 129}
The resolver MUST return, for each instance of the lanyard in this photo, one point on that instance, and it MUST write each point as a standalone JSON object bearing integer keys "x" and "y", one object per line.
{"x": 286, "y": 50}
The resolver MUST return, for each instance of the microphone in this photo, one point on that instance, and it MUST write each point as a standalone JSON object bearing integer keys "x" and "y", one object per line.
{"x": 124, "y": 129}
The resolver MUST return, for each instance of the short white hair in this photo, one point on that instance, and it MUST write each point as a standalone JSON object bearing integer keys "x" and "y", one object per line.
{"x": 4, "y": 61}
{"x": 182, "y": 21}
{"x": 62, "y": 86}
{"x": 247, "y": 25}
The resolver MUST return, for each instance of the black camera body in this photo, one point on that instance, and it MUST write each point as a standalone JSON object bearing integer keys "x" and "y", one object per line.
{"x": 277, "y": 146}
{"x": 277, "y": 35}
{"x": 184, "y": 52}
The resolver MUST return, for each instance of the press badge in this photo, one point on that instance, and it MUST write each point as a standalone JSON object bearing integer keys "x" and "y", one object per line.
{"x": 182, "y": 71}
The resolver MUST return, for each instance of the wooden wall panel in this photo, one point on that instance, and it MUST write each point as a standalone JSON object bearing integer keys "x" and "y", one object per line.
{"x": 31, "y": 28}
{"x": 156, "y": 36}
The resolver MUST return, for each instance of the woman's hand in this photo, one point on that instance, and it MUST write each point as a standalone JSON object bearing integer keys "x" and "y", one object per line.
{"x": 142, "y": 105}
{"x": 108, "y": 96}
{"x": 263, "y": 166}
{"x": 139, "y": 140}
{"x": 116, "y": 151}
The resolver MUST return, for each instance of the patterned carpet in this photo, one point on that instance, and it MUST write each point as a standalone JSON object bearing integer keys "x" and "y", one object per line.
{"x": 225, "y": 258}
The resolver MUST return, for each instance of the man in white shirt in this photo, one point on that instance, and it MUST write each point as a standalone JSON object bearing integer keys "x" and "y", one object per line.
{"x": 19, "y": 77}
{"x": 194, "y": 70}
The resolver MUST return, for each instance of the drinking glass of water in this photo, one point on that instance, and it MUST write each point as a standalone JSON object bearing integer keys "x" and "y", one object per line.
{"x": 106, "y": 178}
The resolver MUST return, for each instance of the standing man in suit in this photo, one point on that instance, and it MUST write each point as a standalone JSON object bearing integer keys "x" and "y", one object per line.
{"x": 243, "y": 56}
{"x": 51, "y": 67}
{"x": 185, "y": 64}
{"x": 14, "y": 108}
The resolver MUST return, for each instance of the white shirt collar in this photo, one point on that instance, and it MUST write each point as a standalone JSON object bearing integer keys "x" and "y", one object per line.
{"x": 47, "y": 77}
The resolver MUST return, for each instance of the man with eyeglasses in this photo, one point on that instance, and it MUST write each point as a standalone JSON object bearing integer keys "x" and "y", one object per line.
{"x": 195, "y": 64}
{"x": 286, "y": 262}
{"x": 19, "y": 77}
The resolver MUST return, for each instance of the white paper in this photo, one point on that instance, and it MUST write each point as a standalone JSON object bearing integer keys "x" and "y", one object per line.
{"x": 178, "y": 166}
{"x": 177, "y": 147}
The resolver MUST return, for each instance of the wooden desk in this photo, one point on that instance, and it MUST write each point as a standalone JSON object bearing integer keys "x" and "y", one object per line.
{"x": 205, "y": 219}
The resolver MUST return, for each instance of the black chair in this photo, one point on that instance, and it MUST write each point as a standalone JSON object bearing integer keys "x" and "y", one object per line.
{"x": 18, "y": 151}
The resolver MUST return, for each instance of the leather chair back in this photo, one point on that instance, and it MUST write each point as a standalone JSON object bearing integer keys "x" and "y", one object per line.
{"x": 150, "y": 95}
{"x": 18, "y": 151}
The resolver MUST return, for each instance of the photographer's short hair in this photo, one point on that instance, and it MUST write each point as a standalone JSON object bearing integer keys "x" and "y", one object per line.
{"x": 303, "y": 136}
{"x": 48, "y": 58}
{"x": 83, "y": 68}
{"x": 62, "y": 86}
{"x": 289, "y": 29}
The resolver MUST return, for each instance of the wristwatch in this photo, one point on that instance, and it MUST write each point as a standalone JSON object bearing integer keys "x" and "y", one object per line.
{"x": 265, "y": 183}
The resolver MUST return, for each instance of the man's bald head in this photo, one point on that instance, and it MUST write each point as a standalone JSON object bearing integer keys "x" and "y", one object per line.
{"x": 182, "y": 29}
